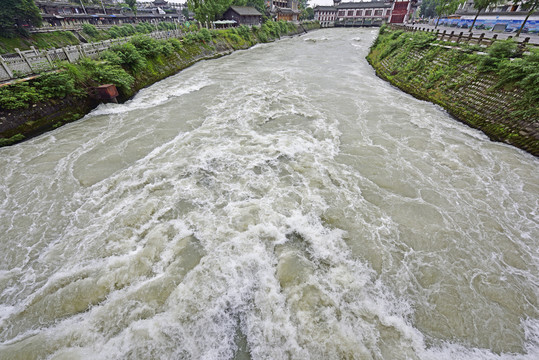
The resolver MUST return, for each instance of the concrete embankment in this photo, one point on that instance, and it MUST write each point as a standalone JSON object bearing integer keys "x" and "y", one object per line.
{"x": 23, "y": 122}
{"x": 470, "y": 82}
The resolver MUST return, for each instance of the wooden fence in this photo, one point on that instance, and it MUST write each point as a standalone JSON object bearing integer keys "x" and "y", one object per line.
{"x": 22, "y": 63}
{"x": 461, "y": 37}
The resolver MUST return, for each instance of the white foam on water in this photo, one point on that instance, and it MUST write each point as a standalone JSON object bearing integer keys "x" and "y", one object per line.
{"x": 154, "y": 96}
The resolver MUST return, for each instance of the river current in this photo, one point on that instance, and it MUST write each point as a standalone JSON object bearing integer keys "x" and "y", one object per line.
{"x": 278, "y": 203}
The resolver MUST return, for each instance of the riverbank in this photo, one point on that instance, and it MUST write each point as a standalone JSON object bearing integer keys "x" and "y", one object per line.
{"x": 32, "y": 107}
{"x": 493, "y": 91}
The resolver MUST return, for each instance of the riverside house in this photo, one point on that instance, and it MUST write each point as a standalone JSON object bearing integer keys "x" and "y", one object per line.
{"x": 243, "y": 15}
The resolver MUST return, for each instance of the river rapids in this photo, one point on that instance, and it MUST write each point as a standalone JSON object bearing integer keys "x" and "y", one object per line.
{"x": 278, "y": 203}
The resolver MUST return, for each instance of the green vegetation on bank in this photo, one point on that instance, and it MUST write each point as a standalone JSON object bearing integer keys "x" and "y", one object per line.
{"x": 90, "y": 33}
{"x": 131, "y": 66}
{"x": 515, "y": 69}
{"x": 496, "y": 91}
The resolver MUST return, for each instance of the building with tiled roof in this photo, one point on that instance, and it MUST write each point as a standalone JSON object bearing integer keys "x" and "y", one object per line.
{"x": 368, "y": 13}
{"x": 243, "y": 15}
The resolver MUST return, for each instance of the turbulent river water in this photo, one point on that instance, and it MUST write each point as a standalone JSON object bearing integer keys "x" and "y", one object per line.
{"x": 278, "y": 203}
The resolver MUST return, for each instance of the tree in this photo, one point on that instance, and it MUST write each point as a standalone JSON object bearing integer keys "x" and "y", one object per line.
{"x": 531, "y": 6}
{"x": 428, "y": 8}
{"x": 15, "y": 14}
{"x": 132, "y": 4}
{"x": 446, "y": 7}
{"x": 185, "y": 12}
{"x": 307, "y": 14}
{"x": 481, "y": 5}
{"x": 207, "y": 11}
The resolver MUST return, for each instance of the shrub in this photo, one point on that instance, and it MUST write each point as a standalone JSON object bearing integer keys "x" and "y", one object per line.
{"x": 18, "y": 96}
{"x": 234, "y": 39}
{"x": 500, "y": 50}
{"x": 166, "y": 26}
{"x": 394, "y": 43}
{"x": 121, "y": 31}
{"x": 165, "y": 47}
{"x": 291, "y": 26}
{"x": 523, "y": 72}
{"x": 396, "y": 34}
{"x": 204, "y": 35}
{"x": 190, "y": 38}
{"x": 126, "y": 55}
{"x": 90, "y": 30}
{"x": 244, "y": 32}
{"x": 127, "y": 30}
{"x": 76, "y": 71}
{"x": 144, "y": 28}
{"x": 114, "y": 32}
{"x": 262, "y": 35}
{"x": 283, "y": 27}
{"x": 146, "y": 46}
{"x": 111, "y": 56}
{"x": 93, "y": 73}
{"x": 272, "y": 29}
{"x": 113, "y": 74}
{"x": 56, "y": 85}
{"x": 176, "y": 44}
{"x": 422, "y": 39}
{"x": 503, "y": 49}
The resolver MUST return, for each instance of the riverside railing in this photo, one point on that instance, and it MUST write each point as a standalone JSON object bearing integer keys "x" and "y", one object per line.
{"x": 461, "y": 37}
{"x": 22, "y": 63}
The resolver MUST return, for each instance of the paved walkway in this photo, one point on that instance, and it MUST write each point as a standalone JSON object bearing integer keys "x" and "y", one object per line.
{"x": 534, "y": 38}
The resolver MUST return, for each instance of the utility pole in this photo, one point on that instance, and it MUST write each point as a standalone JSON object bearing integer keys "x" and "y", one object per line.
{"x": 83, "y": 8}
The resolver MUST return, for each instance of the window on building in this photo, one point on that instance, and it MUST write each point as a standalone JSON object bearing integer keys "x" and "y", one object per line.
{"x": 341, "y": 12}
{"x": 350, "y": 12}
{"x": 388, "y": 12}
{"x": 359, "y": 12}
{"x": 377, "y": 12}
{"x": 368, "y": 12}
